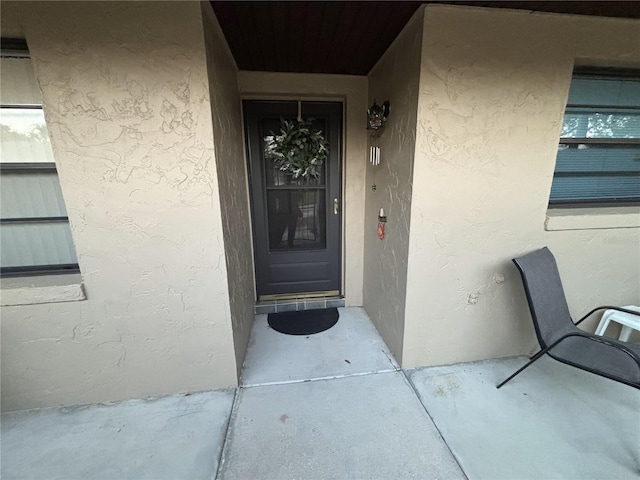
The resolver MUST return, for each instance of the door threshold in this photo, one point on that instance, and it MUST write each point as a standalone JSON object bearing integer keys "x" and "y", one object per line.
{"x": 299, "y": 304}
{"x": 299, "y": 296}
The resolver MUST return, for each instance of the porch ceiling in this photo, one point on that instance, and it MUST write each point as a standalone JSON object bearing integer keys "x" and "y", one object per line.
{"x": 347, "y": 37}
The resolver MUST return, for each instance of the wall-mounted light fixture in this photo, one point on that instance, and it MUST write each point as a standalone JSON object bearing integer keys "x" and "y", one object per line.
{"x": 376, "y": 119}
{"x": 377, "y": 115}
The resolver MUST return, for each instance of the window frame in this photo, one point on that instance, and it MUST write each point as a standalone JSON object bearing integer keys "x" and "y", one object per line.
{"x": 591, "y": 72}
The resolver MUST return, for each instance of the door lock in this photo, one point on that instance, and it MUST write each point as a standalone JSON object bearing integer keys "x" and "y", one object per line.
{"x": 335, "y": 206}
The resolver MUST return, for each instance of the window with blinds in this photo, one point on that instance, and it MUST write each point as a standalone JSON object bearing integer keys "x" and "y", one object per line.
{"x": 35, "y": 237}
{"x": 598, "y": 160}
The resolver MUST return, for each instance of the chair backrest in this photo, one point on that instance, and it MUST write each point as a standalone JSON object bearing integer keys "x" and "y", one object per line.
{"x": 545, "y": 295}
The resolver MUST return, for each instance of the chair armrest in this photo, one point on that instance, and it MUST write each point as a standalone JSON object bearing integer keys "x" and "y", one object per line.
{"x": 607, "y": 307}
{"x": 596, "y": 338}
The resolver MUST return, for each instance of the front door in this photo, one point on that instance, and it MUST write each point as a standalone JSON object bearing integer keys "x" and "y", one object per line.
{"x": 296, "y": 222}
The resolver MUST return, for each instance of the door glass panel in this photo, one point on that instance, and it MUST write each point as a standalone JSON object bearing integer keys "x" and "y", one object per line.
{"x": 296, "y": 219}
{"x": 276, "y": 178}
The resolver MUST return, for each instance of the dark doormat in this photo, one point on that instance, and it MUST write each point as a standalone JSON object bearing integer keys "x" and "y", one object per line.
{"x": 304, "y": 322}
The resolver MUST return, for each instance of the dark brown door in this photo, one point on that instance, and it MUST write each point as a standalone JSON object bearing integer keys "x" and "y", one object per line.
{"x": 296, "y": 222}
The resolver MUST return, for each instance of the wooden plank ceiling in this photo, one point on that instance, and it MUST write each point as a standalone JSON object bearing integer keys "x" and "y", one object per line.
{"x": 347, "y": 37}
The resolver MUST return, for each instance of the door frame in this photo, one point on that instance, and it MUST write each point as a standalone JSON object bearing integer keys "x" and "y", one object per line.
{"x": 341, "y": 99}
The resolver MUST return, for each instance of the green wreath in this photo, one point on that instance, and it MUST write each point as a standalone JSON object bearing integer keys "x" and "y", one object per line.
{"x": 299, "y": 150}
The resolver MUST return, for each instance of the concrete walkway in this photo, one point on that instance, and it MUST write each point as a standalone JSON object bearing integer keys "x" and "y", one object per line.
{"x": 336, "y": 405}
{"x": 552, "y": 421}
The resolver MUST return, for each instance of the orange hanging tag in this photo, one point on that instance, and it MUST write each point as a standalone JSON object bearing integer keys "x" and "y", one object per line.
{"x": 381, "y": 230}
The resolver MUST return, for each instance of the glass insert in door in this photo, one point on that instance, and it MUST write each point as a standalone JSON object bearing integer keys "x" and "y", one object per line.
{"x": 296, "y": 218}
{"x": 296, "y": 207}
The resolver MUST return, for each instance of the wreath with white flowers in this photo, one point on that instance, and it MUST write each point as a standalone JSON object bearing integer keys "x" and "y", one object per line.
{"x": 299, "y": 149}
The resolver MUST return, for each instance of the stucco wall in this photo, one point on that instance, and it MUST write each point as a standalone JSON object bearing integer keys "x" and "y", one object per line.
{"x": 232, "y": 180}
{"x": 493, "y": 89}
{"x": 395, "y": 78}
{"x": 126, "y": 98}
{"x": 352, "y": 91}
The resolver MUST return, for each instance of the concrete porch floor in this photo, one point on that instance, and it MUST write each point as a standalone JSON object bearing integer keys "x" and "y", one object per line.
{"x": 335, "y": 405}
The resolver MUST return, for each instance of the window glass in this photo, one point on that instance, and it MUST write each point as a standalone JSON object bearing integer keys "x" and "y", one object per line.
{"x": 35, "y": 236}
{"x": 598, "y": 159}
{"x": 31, "y": 193}
{"x": 604, "y": 123}
{"x": 24, "y": 137}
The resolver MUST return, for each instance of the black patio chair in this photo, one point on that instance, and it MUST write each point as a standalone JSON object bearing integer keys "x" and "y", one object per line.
{"x": 559, "y": 337}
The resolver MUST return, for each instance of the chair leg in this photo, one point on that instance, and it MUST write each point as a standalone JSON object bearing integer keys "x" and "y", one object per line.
{"x": 533, "y": 359}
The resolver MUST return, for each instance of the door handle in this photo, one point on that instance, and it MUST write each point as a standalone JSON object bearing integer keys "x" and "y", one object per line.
{"x": 335, "y": 206}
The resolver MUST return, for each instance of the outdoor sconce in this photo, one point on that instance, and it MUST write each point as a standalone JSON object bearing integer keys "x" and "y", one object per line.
{"x": 376, "y": 118}
{"x": 377, "y": 115}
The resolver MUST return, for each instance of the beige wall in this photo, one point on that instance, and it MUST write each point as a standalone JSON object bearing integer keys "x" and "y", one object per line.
{"x": 493, "y": 89}
{"x": 232, "y": 180}
{"x": 352, "y": 91}
{"x": 126, "y": 98}
{"x": 395, "y": 78}
{"x": 150, "y": 173}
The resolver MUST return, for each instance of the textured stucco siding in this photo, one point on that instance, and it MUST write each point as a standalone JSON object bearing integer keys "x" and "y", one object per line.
{"x": 142, "y": 101}
{"x": 232, "y": 180}
{"x": 396, "y": 78}
{"x": 493, "y": 89}
{"x": 126, "y": 98}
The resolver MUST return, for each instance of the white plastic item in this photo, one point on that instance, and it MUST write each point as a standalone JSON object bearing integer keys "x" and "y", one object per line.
{"x": 627, "y": 320}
